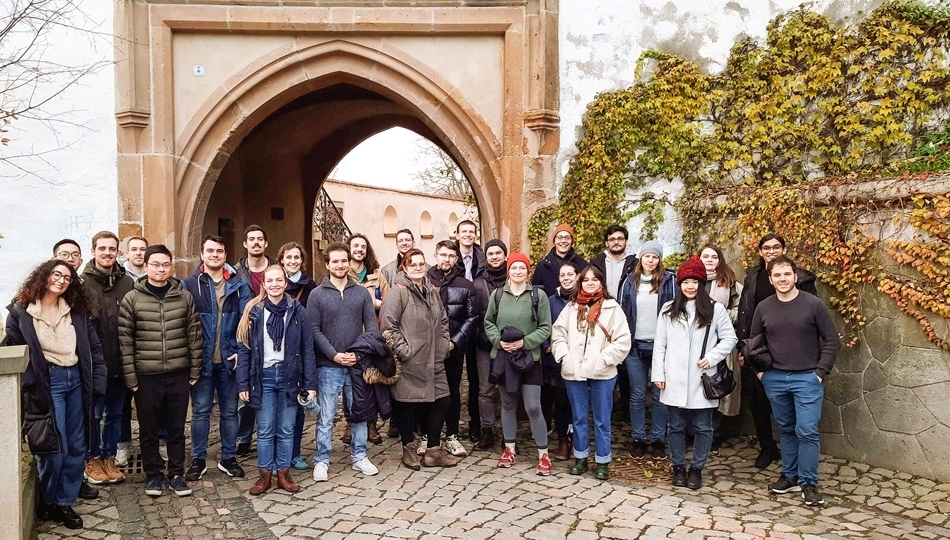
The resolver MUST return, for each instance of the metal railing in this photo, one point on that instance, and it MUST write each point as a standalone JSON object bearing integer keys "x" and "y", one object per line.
{"x": 328, "y": 221}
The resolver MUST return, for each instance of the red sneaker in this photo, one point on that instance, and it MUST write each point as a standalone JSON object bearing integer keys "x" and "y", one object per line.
{"x": 544, "y": 465}
{"x": 507, "y": 458}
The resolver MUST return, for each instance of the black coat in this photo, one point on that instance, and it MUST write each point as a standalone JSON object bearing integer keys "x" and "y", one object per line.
{"x": 485, "y": 285}
{"x": 547, "y": 269}
{"x": 458, "y": 297}
{"x": 108, "y": 289}
{"x": 369, "y": 400}
{"x": 806, "y": 282}
{"x": 478, "y": 261}
{"x": 36, "y": 397}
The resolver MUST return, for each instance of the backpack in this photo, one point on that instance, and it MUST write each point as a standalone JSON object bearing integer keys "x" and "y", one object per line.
{"x": 500, "y": 291}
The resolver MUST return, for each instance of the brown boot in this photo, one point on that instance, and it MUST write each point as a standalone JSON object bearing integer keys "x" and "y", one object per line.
{"x": 373, "y": 435}
{"x": 563, "y": 452}
{"x": 285, "y": 482}
{"x": 263, "y": 483}
{"x": 437, "y": 457}
{"x": 409, "y": 458}
{"x": 347, "y": 434}
{"x": 487, "y": 440}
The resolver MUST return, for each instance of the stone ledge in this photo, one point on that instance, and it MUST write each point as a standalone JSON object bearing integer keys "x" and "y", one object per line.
{"x": 14, "y": 359}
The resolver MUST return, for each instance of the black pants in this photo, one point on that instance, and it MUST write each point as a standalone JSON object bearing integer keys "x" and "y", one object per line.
{"x": 471, "y": 371}
{"x": 407, "y": 414}
{"x": 623, "y": 384}
{"x": 555, "y": 406}
{"x": 453, "y": 372}
{"x": 753, "y": 396}
{"x": 162, "y": 401}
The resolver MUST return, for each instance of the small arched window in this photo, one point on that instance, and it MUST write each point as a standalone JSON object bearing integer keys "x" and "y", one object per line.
{"x": 389, "y": 222}
{"x": 425, "y": 225}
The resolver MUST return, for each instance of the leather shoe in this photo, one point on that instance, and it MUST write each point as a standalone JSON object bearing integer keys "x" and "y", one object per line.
{"x": 579, "y": 467}
{"x": 88, "y": 492}
{"x": 373, "y": 434}
{"x": 67, "y": 516}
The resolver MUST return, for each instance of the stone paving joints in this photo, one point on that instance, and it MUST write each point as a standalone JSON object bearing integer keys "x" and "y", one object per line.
{"x": 476, "y": 501}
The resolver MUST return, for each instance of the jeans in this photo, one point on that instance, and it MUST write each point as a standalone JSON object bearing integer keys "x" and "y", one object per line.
{"x": 699, "y": 424}
{"x": 223, "y": 381}
{"x": 275, "y": 422}
{"x": 246, "y": 418}
{"x": 599, "y": 396}
{"x": 331, "y": 381}
{"x": 638, "y": 363}
{"x": 107, "y": 427}
{"x": 796, "y": 405}
{"x": 61, "y": 474}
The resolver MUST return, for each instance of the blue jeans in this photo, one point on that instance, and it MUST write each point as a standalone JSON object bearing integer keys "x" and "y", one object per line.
{"x": 599, "y": 396}
{"x": 61, "y": 474}
{"x": 331, "y": 382}
{"x": 796, "y": 400}
{"x": 224, "y": 382}
{"x": 699, "y": 423}
{"x": 638, "y": 363}
{"x": 275, "y": 422}
{"x": 104, "y": 438}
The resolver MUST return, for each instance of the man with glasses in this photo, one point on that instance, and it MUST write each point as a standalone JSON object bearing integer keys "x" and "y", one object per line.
{"x": 756, "y": 288}
{"x": 614, "y": 262}
{"x": 161, "y": 343}
{"x": 547, "y": 269}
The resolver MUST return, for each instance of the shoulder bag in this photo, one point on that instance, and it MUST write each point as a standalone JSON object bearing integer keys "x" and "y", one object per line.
{"x": 722, "y": 383}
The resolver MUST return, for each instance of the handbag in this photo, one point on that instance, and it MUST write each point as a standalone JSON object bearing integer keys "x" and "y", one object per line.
{"x": 722, "y": 383}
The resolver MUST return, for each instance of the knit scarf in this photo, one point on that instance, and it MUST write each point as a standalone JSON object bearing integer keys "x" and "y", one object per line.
{"x": 588, "y": 306}
{"x": 717, "y": 292}
{"x": 275, "y": 323}
{"x": 496, "y": 277}
{"x": 565, "y": 294}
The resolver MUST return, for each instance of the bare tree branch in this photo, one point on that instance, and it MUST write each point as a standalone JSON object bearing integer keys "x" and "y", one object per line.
{"x": 438, "y": 174}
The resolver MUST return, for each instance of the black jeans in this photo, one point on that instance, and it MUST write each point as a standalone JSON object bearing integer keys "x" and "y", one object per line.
{"x": 408, "y": 414}
{"x": 754, "y": 397}
{"x": 556, "y": 406}
{"x": 162, "y": 401}
{"x": 453, "y": 372}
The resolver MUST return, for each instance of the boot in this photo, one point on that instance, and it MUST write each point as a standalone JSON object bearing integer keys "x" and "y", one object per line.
{"x": 487, "y": 440}
{"x": 373, "y": 435}
{"x": 285, "y": 482}
{"x": 579, "y": 467}
{"x": 437, "y": 457}
{"x": 409, "y": 458}
{"x": 602, "y": 472}
{"x": 393, "y": 431}
{"x": 679, "y": 475}
{"x": 563, "y": 452}
{"x": 694, "y": 479}
{"x": 348, "y": 434}
{"x": 263, "y": 483}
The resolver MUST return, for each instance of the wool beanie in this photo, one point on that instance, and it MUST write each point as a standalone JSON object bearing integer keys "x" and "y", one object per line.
{"x": 693, "y": 268}
{"x": 518, "y": 257}
{"x": 653, "y": 247}
{"x": 564, "y": 227}
{"x": 497, "y": 242}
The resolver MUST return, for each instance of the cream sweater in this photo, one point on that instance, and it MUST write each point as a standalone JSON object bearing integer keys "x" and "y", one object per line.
{"x": 58, "y": 337}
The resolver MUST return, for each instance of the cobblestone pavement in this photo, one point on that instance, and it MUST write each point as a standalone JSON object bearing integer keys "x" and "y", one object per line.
{"x": 477, "y": 501}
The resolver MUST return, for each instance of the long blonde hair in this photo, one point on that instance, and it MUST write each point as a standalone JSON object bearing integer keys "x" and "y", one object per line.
{"x": 244, "y": 326}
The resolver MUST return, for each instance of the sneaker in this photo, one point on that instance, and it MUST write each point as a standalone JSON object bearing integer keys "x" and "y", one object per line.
{"x": 163, "y": 450}
{"x": 507, "y": 458}
{"x": 154, "y": 486}
{"x": 94, "y": 472}
{"x": 544, "y": 465}
{"x": 320, "y": 472}
{"x": 299, "y": 463}
{"x": 423, "y": 444}
{"x": 639, "y": 449}
{"x": 197, "y": 470}
{"x": 811, "y": 495}
{"x": 179, "y": 486}
{"x": 122, "y": 456}
{"x": 366, "y": 467}
{"x": 231, "y": 468}
{"x": 659, "y": 451}
{"x": 108, "y": 466}
{"x": 454, "y": 447}
{"x": 785, "y": 485}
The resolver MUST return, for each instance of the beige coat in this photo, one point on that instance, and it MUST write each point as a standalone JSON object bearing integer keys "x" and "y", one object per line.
{"x": 586, "y": 355}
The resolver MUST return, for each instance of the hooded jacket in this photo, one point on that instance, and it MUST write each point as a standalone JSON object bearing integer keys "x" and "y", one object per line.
{"x": 237, "y": 294}
{"x": 458, "y": 297}
{"x": 547, "y": 269}
{"x": 805, "y": 282}
{"x": 108, "y": 288}
{"x": 369, "y": 400}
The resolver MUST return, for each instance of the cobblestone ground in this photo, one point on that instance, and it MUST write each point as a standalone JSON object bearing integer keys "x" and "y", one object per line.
{"x": 477, "y": 501}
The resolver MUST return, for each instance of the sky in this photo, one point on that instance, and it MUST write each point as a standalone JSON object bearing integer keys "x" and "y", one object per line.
{"x": 396, "y": 148}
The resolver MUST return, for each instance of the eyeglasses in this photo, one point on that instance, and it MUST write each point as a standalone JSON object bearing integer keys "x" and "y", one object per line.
{"x": 616, "y": 239}
{"x": 64, "y": 255}
{"x": 59, "y": 276}
{"x": 417, "y": 266}
{"x": 775, "y": 247}
{"x": 160, "y": 265}
{"x": 562, "y": 237}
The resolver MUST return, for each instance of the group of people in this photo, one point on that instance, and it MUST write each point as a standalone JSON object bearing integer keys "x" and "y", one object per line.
{"x": 268, "y": 344}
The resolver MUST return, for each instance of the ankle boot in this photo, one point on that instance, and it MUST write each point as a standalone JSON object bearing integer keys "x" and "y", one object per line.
{"x": 487, "y": 440}
{"x": 285, "y": 482}
{"x": 373, "y": 434}
{"x": 563, "y": 452}
{"x": 410, "y": 459}
{"x": 348, "y": 434}
{"x": 437, "y": 457}
{"x": 393, "y": 431}
{"x": 263, "y": 483}
{"x": 694, "y": 479}
{"x": 679, "y": 475}
{"x": 602, "y": 472}
{"x": 579, "y": 467}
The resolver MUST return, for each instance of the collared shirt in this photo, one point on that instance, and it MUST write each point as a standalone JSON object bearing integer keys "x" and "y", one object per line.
{"x": 467, "y": 261}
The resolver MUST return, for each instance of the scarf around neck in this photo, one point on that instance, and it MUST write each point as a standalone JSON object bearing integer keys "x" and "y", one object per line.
{"x": 589, "y": 305}
{"x": 275, "y": 323}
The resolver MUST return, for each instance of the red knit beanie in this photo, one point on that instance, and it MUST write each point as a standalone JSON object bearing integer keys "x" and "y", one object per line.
{"x": 564, "y": 227}
{"x": 693, "y": 268}
{"x": 519, "y": 257}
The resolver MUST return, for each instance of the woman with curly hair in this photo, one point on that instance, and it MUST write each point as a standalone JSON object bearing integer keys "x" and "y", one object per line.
{"x": 51, "y": 314}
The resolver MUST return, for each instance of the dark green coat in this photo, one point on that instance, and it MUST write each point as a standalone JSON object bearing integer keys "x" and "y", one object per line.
{"x": 108, "y": 289}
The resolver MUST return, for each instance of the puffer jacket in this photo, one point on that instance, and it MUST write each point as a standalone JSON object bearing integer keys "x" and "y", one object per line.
{"x": 109, "y": 289}
{"x": 369, "y": 400}
{"x": 590, "y": 355}
{"x": 159, "y": 336}
{"x": 236, "y": 295}
{"x": 458, "y": 297}
{"x": 743, "y": 323}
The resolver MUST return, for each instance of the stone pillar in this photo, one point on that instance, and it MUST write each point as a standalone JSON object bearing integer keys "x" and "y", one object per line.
{"x": 15, "y": 509}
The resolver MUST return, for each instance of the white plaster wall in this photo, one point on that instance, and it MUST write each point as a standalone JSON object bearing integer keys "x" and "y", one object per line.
{"x": 72, "y": 189}
{"x": 600, "y": 41}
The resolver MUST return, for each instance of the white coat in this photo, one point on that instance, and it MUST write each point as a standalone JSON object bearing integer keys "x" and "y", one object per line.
{"x": 676, "y": 351}
{"x": 583, "y": 355}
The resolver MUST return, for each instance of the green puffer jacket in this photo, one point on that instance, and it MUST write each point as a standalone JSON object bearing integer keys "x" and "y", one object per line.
{"x": 159, "y": 336}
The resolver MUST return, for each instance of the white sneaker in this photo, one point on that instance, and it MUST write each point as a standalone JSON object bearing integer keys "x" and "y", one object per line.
{"x": 423, "y": 444}
{"x": 163, "y": 451}
{"x": 122, "y": 456}
{"x": 454, "y": 447}
{"x": 366, "y": 467}
{"x": 320, "y": 472}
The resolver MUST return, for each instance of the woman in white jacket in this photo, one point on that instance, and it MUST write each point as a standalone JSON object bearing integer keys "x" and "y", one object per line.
{"x": 590, "y": 339}
{"x": 679, "y": 361}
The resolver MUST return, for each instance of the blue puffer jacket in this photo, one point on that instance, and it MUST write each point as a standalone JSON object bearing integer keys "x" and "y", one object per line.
{"x": 628, "y": 299}
{"x": 236, "y": 296}
{"x": 300, "y": 366}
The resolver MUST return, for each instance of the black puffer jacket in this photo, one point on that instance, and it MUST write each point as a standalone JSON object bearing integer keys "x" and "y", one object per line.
{"x": 369, "y": 400}
{"x": 458, "y": 297}
{"x": 109, "y": 289}
{"x": 805, "y": 282}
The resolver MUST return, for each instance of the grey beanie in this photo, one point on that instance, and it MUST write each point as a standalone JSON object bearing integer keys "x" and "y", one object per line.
{"x": 653, "y": 247}
{"x": 496, "y": 242}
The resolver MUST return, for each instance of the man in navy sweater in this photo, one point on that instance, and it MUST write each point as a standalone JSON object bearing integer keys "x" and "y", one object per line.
{"x": 803, "y": 343}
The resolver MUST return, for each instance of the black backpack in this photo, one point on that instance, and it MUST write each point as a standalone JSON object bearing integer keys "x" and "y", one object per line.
{"x": 500, "y": 291}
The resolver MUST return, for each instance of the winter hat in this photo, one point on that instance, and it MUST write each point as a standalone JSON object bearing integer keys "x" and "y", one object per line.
{"x": 518, "y": 257}
{"x": 564, "y": 227}
{"x": 653, "y": 247}
{"x": 497, "y": 242}
{"x": 693, "y": 268}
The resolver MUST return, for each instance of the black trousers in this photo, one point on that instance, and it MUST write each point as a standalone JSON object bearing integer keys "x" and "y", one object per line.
{"x": 754, "y": 397}
{"x": 556, "y": 406}
{"x": 407, "y": 414}
{"x": 162, "y": 401}
{"x": 471, "y": 371}
{"x": 453, "y": 372}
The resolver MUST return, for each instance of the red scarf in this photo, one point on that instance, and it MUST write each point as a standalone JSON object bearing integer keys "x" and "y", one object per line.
{"x": 591, "y": 304}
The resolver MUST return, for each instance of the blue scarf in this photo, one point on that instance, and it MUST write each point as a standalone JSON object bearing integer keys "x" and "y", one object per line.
{"x": 275, "y": 323}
